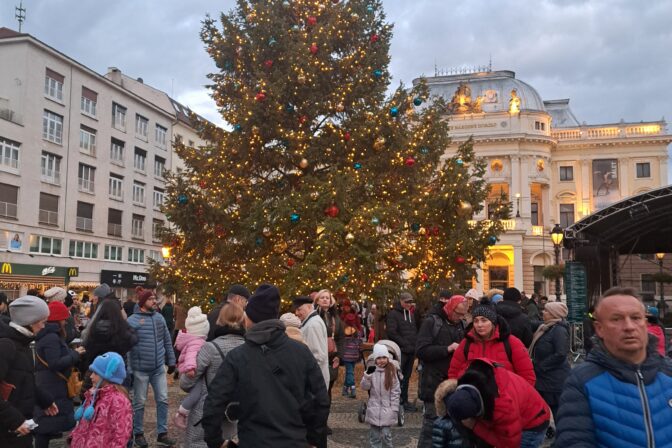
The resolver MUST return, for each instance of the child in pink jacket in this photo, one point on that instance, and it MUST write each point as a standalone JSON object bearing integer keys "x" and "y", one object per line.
{"x": 188, "y": 342}
{"x": 105, "y": 419}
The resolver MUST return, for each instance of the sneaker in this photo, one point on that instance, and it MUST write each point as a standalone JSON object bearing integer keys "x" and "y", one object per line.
{"x": 163, "y": 440}
{"x": 180, "y": 420}
{"x": 353, "y": 392}
{"x": 139, "y": 441}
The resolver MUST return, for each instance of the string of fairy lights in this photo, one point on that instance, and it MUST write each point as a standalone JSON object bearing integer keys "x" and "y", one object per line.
{"x": 320, "y": 181}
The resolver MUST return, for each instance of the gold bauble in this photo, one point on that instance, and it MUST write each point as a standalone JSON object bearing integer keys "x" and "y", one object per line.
{"x": 280, "y": 247}
{"x": 349, "y": 238}
{"x": 465, "y": 207}
{"x": 303, "y": 164}
{"x": 314, "y": 195}
{"x": 340, "y": 107}
{"x": 301, "y": 79}
{"x": 422, "y": 231}
{"x": 266, "y": 232}
{"x": 379, "y": 143}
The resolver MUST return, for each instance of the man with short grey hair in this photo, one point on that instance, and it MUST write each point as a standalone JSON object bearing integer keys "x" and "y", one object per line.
{"x": 402, "y": 328}
{"x": 622, "y": 395}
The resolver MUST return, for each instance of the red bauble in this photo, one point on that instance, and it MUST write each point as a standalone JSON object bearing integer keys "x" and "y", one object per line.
{"x": 332, "y": 211}
{"x": 459, "y": 259}
{"x": 346, "y": 136}
{"x": 220, "y": 231}
{"x": 410, "y": 161}
{"x": 311, "y": 21}
{"x": 203, "y": 184}
{"x": 268, "y": 63}
{"x": 424, "y": 277}
{"x": 374, "y": 38}
{"x": 313, "y": 49}
{"x": 290, "y": 262}
{"x": 303, "y": 119}
{"x": 435, "y": 230}
{"x": 261, "y": 96}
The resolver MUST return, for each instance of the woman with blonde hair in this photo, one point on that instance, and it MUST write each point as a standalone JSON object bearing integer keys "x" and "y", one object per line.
{"x": 229, "y": 334}
{"x": 326, "y": 307}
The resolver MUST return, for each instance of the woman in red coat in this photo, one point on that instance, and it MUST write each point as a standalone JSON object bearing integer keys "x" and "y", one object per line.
{"x": 500, "y": 407}
{"x": 489, "y": 336}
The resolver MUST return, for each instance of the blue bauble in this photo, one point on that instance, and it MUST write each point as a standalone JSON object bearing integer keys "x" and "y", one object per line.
{"x": 369, "y": 8}
{"x": 417, "y": 101}
{"x": 228, "y": 65}
{"x": 378, "y": 73}
{"x": 460, "y": 162}
{"x": 415, "y": 227}
{"x": 424, "y": 150}
{"x": 492, "y": 240}
{"x": 294, "y": 217}
{"x": 259, "y": 241}
{"x": 289, "y": 107}
{"x": 357, "y": 165}
{"x": 375, "y": 221}
{"x": 272, "y": 42}
{"x": 394, "y": 112}
{"x": 237, "y": 128}
{"x": 344, "y": 279}
{"x": 183, "y": 199}
{"x": 428, "y": 285}
{"x": 295, "y": 28}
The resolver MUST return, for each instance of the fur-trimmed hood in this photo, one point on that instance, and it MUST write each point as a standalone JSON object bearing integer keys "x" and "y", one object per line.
{"x": 446, "y": 387}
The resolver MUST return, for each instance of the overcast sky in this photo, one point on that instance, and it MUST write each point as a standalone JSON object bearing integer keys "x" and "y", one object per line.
{"x": 612, "y": 58}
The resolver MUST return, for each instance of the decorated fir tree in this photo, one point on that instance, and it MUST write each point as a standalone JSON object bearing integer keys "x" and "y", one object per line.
{"x": 322, "y": 181}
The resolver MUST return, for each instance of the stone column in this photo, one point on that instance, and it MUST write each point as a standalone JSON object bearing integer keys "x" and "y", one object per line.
{"x": 586, "y": 193}
{"x": 518, "y": 264}
{"x": 525, "y": 194}
{"x": 624, "y": 176}
{"x": 662, "y": 165}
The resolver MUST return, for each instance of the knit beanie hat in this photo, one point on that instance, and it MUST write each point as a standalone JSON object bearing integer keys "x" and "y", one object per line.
{"x": 110, "y": 366}
{"x": 264, "y": 304}
{"x": 55, "y": 294}
{"x": 451, "y": 304}
{"x": 465, "y": 402}
{"x": 512, "y": 295}
{"x": 102, "y": 291}
{"x": 485, "y": 310}
{"x": 197, "y": 322}
{"x": 28, "y": 310}
{"x": 557, "y": 310}
{"x": 291, "y": 320}
{"x": 380, "y": 351}
{"x": 57, "y": 312}
{"x": 473, "y": 294}
{"x": 650, "y": 310}
{"x": 497, "y": 298}
{"x": 144, "y": 296}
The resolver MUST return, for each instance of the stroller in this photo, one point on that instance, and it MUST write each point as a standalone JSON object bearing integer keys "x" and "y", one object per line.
{"x": 366, "y": 351}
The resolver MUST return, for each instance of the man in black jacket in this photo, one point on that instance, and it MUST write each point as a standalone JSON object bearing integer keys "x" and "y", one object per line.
{"x": 511, "y": 310}
{"x": 402, "y": 328}
{"x": 440, "y": 334}
{"x": 237, "y": 294}
{"x": 271, "y": 384}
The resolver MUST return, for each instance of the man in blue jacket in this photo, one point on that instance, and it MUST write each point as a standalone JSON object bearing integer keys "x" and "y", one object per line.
{"x": 622, "y": 395}
{"x": 147, "y": 358}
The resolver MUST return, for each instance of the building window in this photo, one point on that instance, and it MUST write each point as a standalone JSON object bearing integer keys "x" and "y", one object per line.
{"x": 157, "y": 225}
{"x": 140, "y": 159}
{"x": 141, "y": 126}
{"x": 159, "y": 166}
{"x": 117, "y": 151}
{"x": 119, "y": 117}
{"x": 534, "y": 213}
{"x": 138, "y": 192}
{"x": 116, "y": 186}
{"x": 87, "y": 178}
{"x": 89, "y": 101}
{"x": 83, "y": 249}
{"x": 45, "y": 245}
{"x": 160, "y": 135}
{"x": 48, "y": 212}
{"x": 9, "y": 195}
{"x": 113, "y": 253}
{"x": 155, "y": 255}
{"x": 499, "y": 277}
{"x": 9, "y": 153}
{"x": 136, "y": 255}
{"x": 566, "y": 215}
{"x": 159, "y": 198}
{"x": 648, "y": 287}
{"x": 643, "y": 169}
{"x": 539, "y": 126}
{"x": 87, "y": 140}
{"x": 53, "y": 85}
{"x": 52, "y": 127}
{"x": 84, "y": 216}
{"x": 114, "y": 222}
{"x": 566, "y": 173}
{"x": 50, "y": 166}
{"x": 138, "y": 226}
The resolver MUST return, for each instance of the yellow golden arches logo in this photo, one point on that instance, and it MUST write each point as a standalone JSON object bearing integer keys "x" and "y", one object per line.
{"x": 6, "y": 268}
{"x": 73, "y": 272}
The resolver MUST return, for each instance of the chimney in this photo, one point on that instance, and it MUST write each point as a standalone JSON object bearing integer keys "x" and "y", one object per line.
{"x": 140, "y": 81}
{"x": 114, "y": 75}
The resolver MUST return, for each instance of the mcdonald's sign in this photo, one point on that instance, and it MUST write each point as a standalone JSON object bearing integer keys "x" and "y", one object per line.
{"x": 6, "y": 268}
{"x": 73, "y": 272}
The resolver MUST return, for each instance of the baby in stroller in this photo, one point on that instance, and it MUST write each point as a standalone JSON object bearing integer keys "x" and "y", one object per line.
{"x": 369, "y": 360}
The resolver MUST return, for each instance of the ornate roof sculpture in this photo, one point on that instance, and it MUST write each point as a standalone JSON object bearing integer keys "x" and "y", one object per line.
{"x": 461, "y": 102}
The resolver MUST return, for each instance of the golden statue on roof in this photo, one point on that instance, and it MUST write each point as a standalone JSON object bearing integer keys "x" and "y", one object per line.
{"x": 461, "y": 102}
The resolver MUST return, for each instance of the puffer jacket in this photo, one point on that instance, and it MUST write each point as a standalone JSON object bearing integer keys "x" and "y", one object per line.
{"x": 154, "y": 347}
{"x": 111, "y": 424}
{"x": 382, "y": 409}
{"x": 103, "y": 339}
{"x": 402, "y": 328}
{"x": 609, "y": 403}
{"x": 188, "y": 345}
{"x": 52, "y": 349}
{"x": 494, "y": 350}
{"x": 550, "y": 358}
{"x": 445, "y": 433}
{"x": 432, "y": 351}
{"x": 657, "y": 330}
{"x": 17, "y": 369}
{"x": 518, "y": 322}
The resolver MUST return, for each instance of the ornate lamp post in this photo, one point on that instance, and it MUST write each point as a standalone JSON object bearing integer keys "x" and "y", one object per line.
{"x": 661, "y": 304}
{"x": 557, "y": 235}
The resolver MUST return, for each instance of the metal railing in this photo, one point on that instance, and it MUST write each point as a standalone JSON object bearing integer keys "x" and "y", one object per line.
{"x": 51, "y": 176}
{"x": 113, "y": 229}
{"x": 86, "y": 185}
{"x": 8, "y": 209}
{"x": 48, "y": 217}
{"x": 84, "y": 224}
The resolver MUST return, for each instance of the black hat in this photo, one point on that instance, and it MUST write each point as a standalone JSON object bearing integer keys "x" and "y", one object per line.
{"x": 512, "y": 295}
{"x": 264, "y": 304}
{"x": 239, "y": 290}
{"x": 465, "y": 402}
{"x": 485, "y": 310}
{"x": 301, "y": 300}
{"x": 445, "y": 294}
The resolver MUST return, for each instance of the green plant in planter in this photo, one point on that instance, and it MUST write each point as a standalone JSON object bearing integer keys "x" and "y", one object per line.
{"x": 662, "y": 277}
{"x": 553, "y": 272}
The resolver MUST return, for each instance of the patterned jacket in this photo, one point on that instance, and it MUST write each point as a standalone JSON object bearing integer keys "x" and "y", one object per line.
{"x": 111, "y": 424}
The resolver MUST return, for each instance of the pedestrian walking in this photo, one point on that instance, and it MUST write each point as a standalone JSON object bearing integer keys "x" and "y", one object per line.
{"x": 402, "y": 328}
{"x": 382, "y": 409}
{"x": 105, "y": 418}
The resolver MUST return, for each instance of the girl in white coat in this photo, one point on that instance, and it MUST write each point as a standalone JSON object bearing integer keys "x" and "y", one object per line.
{"x": 382, "y": 408}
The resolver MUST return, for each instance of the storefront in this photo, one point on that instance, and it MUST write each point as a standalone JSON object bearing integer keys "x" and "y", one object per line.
{"x": 125, "y": 282}
{"x": 16, "y": 279}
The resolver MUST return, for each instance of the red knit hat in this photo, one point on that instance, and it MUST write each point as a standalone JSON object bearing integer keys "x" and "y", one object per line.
{"x": 143, "y": 296}
{"x": 57, "y": 312}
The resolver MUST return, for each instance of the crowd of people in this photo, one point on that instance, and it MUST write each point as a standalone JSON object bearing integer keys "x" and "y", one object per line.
{"x": 493, "y": 370}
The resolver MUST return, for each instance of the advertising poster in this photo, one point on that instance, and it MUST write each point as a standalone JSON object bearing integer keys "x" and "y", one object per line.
{"x": 605, "y": 183}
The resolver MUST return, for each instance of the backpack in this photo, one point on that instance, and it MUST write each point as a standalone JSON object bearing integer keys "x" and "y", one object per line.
{"x": 438, "y": 324}
{"x": 507, "y": 349}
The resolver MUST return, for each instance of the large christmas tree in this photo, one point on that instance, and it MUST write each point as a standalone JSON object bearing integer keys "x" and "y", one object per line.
{"x": 321, "y": 181}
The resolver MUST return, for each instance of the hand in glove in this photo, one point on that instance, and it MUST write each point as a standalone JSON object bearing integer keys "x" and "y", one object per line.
{"x": 171, "y": 370}
{"x": 370, "y": 370}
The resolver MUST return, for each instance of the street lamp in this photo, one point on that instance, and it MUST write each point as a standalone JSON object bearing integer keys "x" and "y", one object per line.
{"x": 517, "y": 205}
{"x": 557, "y": 235}
{"x": 661, "y": 304}
{"x": 165, "y": 252}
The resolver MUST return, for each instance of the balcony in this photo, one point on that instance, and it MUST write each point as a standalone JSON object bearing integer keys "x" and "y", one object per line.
{"x": 509, "y": 224}
{"x": 621, "y": 130}
{"x": 11, "y": 162}
{"x": 48, "y": 217}
{"x": 113, "y": 229}
{"x": 86, "y": 185}
{"x": 51, "y": 176}
{"x": 538, "y": 230}
{"x": 8, "y": 209}
{"x": 85, "y": 224}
